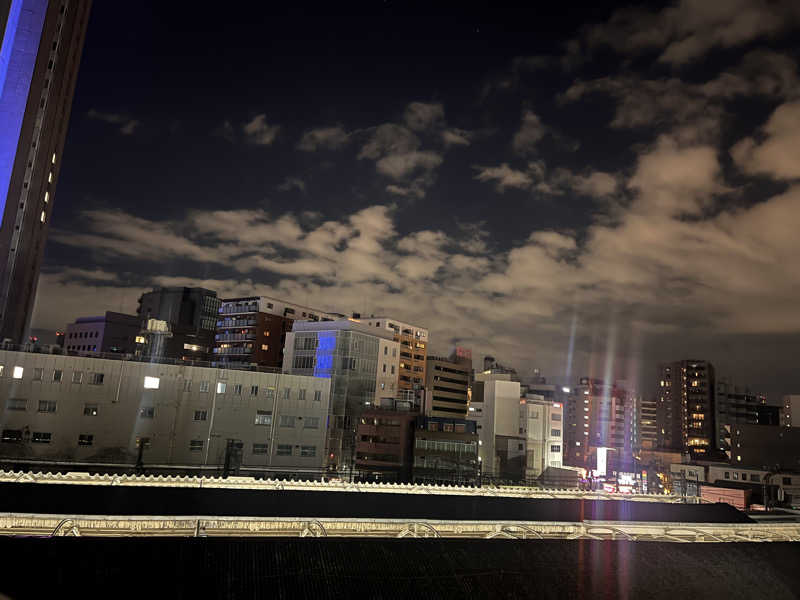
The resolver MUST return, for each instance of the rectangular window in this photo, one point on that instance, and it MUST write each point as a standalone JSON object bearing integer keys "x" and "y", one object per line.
{"x": 96, "y": 378}
{"x": 47, "y": 406}
{"x": 311, "y": 423}
{"x": 556, "y": 417}
{"x": 204, "y": 387}
{"x": 384, "y": 367}
{"x": 317, "y": 395}
{"x": 200, "y": 415}
{"x": 195, "y": 445}
{"x": 77, "y": 376}
{"x": 287, "y": 421}
{"x": 308, "y": 450}
{"x": 555, "y": 432}
{"x": 237, "y": 389}
{"x": 461, "y": 427}
{"x": 221, "y": 387}
{"x": 147, "y": 412}
{"x": 254, "y": 390}
{"x": 187, "y": 385}
{"x": 303, "y": 362}
{"x": 727, "y": 474}
{"x": 11, "y": 435}
{"x": 555, "y": 448}
{"x": 16, "y": 404}
{"x": 144, "y": 442}
{"x": 85, "y": 439}
{"x": 270, "y": 393}
{"x": 58, "y": 374}
{"x": 41, "y": 437}
{"x": 90, "y": 410}
{"x": 392, "y": 369}
{"x": 260, "y": 448}
{"x": 287, "y": 393}
{"x": 151, "y": 383}
{"x": 301, "y": 394}
{"x": 17, "y": 373}
{"x": 37, "y": 374}
{"x": 787, "y": 481}
{"x": 284, "y": 450}
{"x": 263, "y": 417}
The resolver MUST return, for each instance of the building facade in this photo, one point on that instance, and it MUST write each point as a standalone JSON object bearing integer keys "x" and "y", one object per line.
{"x": 764, "y": 446}
{"x": 358, "y": 361}
{"x": 191, "y": 316}
{"x": 413, "y": 342}
{"x": 542, "y": 423}
{"x": 39, "y": 58}
{"x": 253, "y": 330}
{"x": 687, "y": 403}
{"x": 496, "y": 400}
{"x": 446, "y": 451}
{"x": 384, "y": 441}
{"x": 112, "y": 332}
{"x": 790, "y": 410}
{"x": 447, "y": 386}
{"x": 734, "y": 405}
{"x": 79, "y": 409}
{"x": 601, "y": 415}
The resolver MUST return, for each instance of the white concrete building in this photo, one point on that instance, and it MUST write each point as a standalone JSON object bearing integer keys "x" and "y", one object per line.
{"x": 67, "y": 408}
{"x": 543, "y": 427}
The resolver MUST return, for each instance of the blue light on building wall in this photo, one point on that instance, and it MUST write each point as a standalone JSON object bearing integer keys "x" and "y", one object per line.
{"x": 17, "y": 58}
{"x": 323, "y": 361}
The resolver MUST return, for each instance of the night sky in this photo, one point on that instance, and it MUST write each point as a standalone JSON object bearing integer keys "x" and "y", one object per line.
{"x": 619, "y": 181}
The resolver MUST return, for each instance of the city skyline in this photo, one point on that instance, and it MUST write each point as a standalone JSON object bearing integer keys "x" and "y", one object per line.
{"x": 622, "y": 196}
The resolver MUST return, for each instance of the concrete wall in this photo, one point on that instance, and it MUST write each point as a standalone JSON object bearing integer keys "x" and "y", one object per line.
{"x": 188, "y": 418}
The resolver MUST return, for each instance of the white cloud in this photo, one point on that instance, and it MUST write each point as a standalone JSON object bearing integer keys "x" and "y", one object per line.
{"x": 777, "y": 154}
{"x": 398, "y": 166}
{"x": 504, "y": 177}
{"x": 688, "y": 29}
{"x": 329, "y": 138}
{"x": 258, "y": 131}
{"x": 456, "y": 137}
{"x": 422, "y": 116}
{"x": 531, "y": 131}
{"x": 292, "y": 183}
{"x": 127, "y": 124}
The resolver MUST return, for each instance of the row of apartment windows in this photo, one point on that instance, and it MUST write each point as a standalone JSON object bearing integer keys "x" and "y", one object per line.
{"x": 447, "y": 446}
{"x": 83, "y": 334}
{"x": 87, "y": 439}
{"x": 18, "y": 372}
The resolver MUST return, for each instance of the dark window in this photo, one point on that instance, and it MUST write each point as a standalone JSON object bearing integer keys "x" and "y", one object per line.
{"x": 85, "y": 439}
{"x": 40, "y": 437}
{"x": 147, "y": 412}
{"x": 787, "y": 481}
{"x": 196, "y": 445}
{"x": 47, "y": 406}
{"x": 11, "y": 435}
{"x": 90, "y": 410}
{"x": 200, "y": 415}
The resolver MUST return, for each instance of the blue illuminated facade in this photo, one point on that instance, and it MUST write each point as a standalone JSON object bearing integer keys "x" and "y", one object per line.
{"x": 17, "y": 61}
{"x": 323, "y": 359}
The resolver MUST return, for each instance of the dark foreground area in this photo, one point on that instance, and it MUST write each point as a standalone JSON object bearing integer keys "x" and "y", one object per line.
{"x": 166, "y": 501}
{"x": 383, "y": 568}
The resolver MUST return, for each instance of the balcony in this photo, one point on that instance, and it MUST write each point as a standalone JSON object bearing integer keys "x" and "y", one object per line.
{"x": 235, "y": 323}
{"x": 236, "y": 351}
{"x": 235, "y": 337}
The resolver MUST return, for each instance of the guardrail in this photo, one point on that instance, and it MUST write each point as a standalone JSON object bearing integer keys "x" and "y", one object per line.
{"x": 202, "y": 526}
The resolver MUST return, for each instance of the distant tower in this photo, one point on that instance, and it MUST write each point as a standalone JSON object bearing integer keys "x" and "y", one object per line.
{"x": 42, "y": 41}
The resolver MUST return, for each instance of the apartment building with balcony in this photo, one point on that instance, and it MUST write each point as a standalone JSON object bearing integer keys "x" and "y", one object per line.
{"x": 687, "y": 416}
{"x": 253, "y": 330}
{"x": 446, "y": 451}
{"x": 448, "y": 386}
{"x": 384, "y": 437}
{"x": 734, "y": 405}
{"x": 413, "y": 341}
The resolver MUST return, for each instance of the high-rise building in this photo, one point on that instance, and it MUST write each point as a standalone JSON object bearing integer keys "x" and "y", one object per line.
{"x": 686, "y": 413}
{"x": 253, "y": 330}
{"x": 601, "y": 415}
{"x": 764, "y": 446}
{"x": 734, "y": 405}
{"x": 447, "y": 386}
{"x": 39, "y": 59}
{"x": 111, "y": 332}
{"x": 413, "y": 342}
{"x": 191, "y": 318}
{"x": 358, "y": 360}
{"x": 790, "y": 410}
{"x": 646, "y": 423}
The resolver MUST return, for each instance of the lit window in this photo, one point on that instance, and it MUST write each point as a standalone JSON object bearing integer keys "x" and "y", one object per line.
{"x": 46, "y": 196}
{"x": 50, "y": 179}
{"x": 17, "y": 372}
{"x": 42, "y": 217}
{"x": 221, "y": 387}
{"x": 53, "y": 160}
{"x": 151, "y": 383}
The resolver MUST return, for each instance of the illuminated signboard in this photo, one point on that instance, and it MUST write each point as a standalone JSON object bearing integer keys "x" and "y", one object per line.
{"x": 17, "y": 59}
